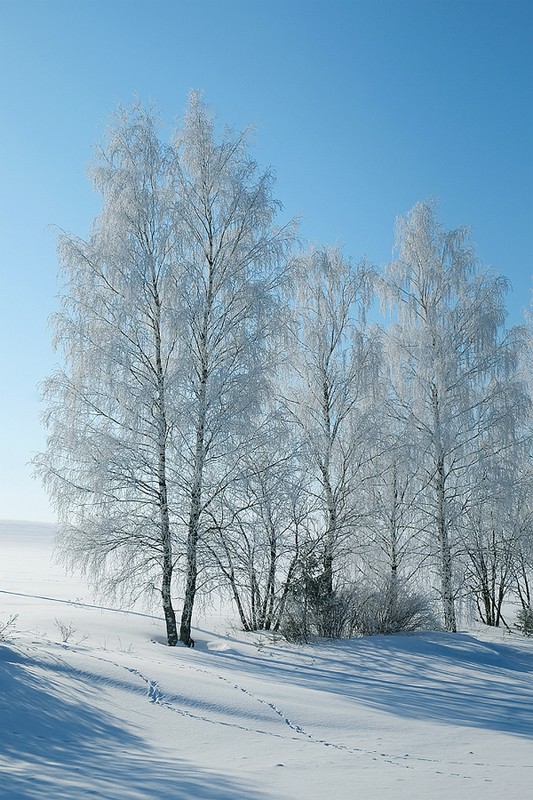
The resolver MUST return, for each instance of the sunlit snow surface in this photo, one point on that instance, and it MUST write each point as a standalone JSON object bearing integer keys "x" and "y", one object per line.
{"x": 113, "y": 713}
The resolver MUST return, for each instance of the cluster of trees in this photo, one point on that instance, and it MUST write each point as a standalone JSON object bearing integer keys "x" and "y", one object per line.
{"x": 227, "y": 418}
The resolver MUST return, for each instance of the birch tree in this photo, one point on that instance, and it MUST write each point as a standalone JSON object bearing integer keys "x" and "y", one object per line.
{"x": 232, "y": 268}
{"x": 329, "y": 394}
{"x": 110, "y": 408}
{"x": 261, "y": 529}
{"x": 396, "y": 536}
{"x": 523, "y": 567}
{"x": 454, "y": 381}
{"x": 169, "y": 315}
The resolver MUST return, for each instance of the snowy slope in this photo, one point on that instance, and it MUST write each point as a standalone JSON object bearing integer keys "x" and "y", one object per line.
{"x": 113, "y": 713}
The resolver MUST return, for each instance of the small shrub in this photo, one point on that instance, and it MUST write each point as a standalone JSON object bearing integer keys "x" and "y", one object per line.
{"x": 384, "y": 608}
{"x": 392, "y": 608}
{"x": 67, "y": 631}
{"x": 7, "y": 628}
{"x": 295, "y": 624}
{"x": 312, "y": 613}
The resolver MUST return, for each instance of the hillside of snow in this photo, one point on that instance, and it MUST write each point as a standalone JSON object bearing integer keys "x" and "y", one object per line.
{"x": 94, "y": 705}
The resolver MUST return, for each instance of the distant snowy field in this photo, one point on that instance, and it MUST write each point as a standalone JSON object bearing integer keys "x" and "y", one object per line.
{"x": 113, "y": 713}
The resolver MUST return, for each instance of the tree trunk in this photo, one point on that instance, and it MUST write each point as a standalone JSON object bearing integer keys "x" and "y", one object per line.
{"x": 168, "y": 610}
{"x": 446, "y": 572}
{"x": 198, "y": 473}
{"x": 445, "y": 552}
{"x": 192, "y": 547}
{"x": 267, "y": 611}
{"x": 168, "y": 564}
{"x": 190, "y": 587}
{"x": 330, "y": 536}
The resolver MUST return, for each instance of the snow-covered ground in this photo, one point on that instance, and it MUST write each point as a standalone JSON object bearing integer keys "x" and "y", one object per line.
{"x": 113, "y": 713}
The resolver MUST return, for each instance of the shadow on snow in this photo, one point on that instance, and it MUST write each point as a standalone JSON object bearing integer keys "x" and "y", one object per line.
{"x": 55, "y": 744}
{"x": 451, "y": 678}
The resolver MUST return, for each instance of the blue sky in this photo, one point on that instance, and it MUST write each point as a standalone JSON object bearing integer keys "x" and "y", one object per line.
{"x": 362, "y": 107}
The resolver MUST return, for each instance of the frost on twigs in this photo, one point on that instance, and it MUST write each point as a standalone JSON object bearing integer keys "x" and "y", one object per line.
{"x": 390, "y": 609}
{"x": 7, "y": 627}
{"x": 67, "y": 631}
{"x": 385, "y": 608}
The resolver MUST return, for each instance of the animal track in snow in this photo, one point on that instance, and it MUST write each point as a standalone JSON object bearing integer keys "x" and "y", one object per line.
{"x": 157, "y": 696}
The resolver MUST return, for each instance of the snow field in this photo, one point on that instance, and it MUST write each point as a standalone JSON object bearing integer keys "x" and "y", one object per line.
{"x": 113, "y": 713}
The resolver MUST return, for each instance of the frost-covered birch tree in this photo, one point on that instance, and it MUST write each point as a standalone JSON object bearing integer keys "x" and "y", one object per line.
{"x": 454, "y": 377}
{"x": 111, "y": 406}
{"x": 328, "y": 395}
{"x": 168, "y": 318}
{"x": 232, "y": 260}
{"x": 523, "y": 518}
{"x": 262, "y": 530}
{"x": 395, "y": 527}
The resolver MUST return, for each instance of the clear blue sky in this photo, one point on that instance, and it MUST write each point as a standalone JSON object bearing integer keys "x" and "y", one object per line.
{"x": 362, "y": 107}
